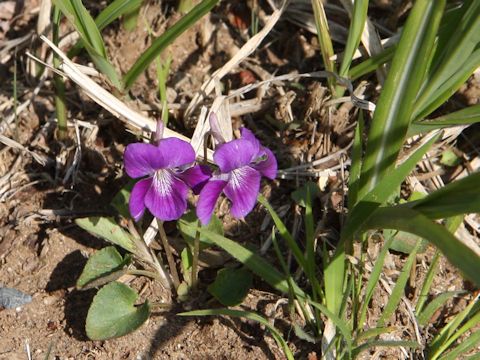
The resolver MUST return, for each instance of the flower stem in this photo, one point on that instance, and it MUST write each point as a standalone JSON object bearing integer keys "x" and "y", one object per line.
{"x": 196, "y": 252}
{"x": 60, "y": 102}
{"x": 168, "y": 252}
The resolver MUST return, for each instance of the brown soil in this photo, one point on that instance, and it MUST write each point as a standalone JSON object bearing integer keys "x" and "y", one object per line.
{"x": 42, "y": 253}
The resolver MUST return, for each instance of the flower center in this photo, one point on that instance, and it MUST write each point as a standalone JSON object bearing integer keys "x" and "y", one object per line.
{"x": 163, "y": 180}
{"x": 237, "y": 176}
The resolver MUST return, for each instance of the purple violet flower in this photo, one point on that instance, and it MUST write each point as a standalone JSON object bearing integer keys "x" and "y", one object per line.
{"x": 169, "y": 175}
{"x": 242, "y": 163}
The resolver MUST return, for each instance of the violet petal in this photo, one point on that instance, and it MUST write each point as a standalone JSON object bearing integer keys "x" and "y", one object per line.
{"x": 142, "y": 159}
{"x": 242, "y": 190}
{"x": 167, "y": 197}
{"x": 175, "y": 152}
{"x": 208, "y": 198}
{"x": 137, "y": 198}
{"x": 267, "y": 167}
{"x": 234, "y": 154}
{"x": 196, "y": 177}
{"x": 248, "y": 135}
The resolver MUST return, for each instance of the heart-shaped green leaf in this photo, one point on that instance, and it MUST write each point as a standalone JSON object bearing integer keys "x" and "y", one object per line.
{"x": 101, "y": 263}
{"x": 113, "y": 312}
{"x": 231, "y": 286}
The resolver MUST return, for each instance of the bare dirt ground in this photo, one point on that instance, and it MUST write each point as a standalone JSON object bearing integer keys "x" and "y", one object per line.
{"x": 42, "y": 252}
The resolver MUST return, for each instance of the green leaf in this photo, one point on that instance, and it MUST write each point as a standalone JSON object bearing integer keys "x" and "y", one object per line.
{"x": 374, "y": 278}
{"x": 101, "y": 263}
{"x": 409, "y": 220}
{"x": 356, "y": 167}
{"x": 370, "y": 333}
{"x": 76, "y": 13}
{"x": 324, "y": 39}
{"x": 382, "y": 191}
{"x": 130, "y": 19}
{"x": 107, "y": 229}
{"x": 399, "y": 289}
{"x": 458, "y": 197}
{"x": 371, "y": 64}
{"x": 160, "y": 43}
{"x": 383, "y": 343}
{"x": 231, "y": 286}
{"x": 251, "y": 260}
{"x": 300, "y": 195}
{"x": 282, "y": 229}
{"x": 454, "y": 330}
{"x": 466, "y": 345}
{"x": 250, "y": 316}
{"x": 113, "y": 312}
{"x": 120, "y": 200}
{"x": 338, "y": 322}
{"x": 449, "y": 158}
{"x": 466, "y": 116}
{"x": 434, "y": 305}
{"x": 187, "y": 224}
{"x": 112, "y": 12}
{"x": 392, "y": 116}
{"x": 357, "y": 24}
{"x": 426, "y": 105}
{"x": 116, "y": 9}
{"x": 456, "y": 59}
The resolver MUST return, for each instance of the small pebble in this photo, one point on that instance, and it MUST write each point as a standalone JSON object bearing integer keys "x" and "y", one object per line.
{"x": 50, "y": 300}
{"x": 13, "y": 298}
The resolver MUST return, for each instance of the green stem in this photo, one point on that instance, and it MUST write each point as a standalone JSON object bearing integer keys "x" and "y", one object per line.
{"x": 61, "y": 110}
{"x": 168, "y": 252}
{"x": 196, "y": 252}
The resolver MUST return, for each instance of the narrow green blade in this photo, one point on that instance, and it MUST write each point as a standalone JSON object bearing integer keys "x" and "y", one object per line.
{"x": 247, "y": 315}
{"x": 160, "y": 43}
{"x": 393, "y": 112}
{"x": 414, "y": 222}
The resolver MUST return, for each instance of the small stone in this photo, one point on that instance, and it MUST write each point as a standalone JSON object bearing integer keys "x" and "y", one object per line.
{"x": 50, "y": 300}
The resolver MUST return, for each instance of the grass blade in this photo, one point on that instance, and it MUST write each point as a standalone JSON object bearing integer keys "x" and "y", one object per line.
{"x": 430, "y": 101}
{"x": 382, "y": 191}
{"x": 434, "y": 305}
{"x": 371, "y": 64}
{"x": 114, "y": 10}
{"x": 466, "y": 116}
{"x": 357, "y": 24}
{"x": 427, "y": 283}
{"x": 459, "y": 197}
{"x": 251, "y": 260}
{"x": 384, "y": 343}
{"x": 339, "y": 323}
{"x": 455, "y": 54}
{"x": 76, "y": 13}
{"x": 282, "y": 229}
{"x": 414, "y": 222}
{"x": 108, "y": 15}
{"x": 452, "y": 331}
{"x": 247, "y": 315}
{"x": 393, "y": 112}
{"x": 373, "y": 280}
{"x": 356, "y": 168}
{"x": 324, "y": 39}
{"x": 452, "y": 225}
{"x": 160, "y": 43}
{"x": 466, "y": 345}
{"x": 398, "y": 291}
